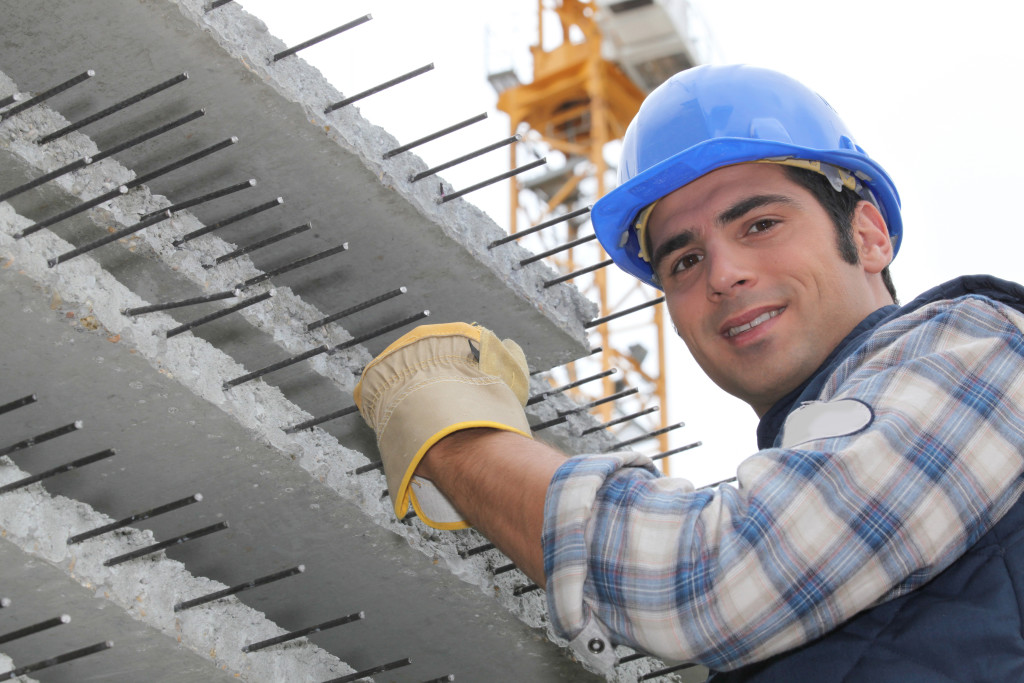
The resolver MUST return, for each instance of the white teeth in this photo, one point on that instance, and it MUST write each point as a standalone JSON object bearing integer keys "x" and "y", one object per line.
{"x": 733, "y": 331}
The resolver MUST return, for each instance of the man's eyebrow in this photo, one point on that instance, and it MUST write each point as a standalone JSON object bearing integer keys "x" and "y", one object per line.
{"x": 678, "y": 241}
{"x": 744, "y": 206}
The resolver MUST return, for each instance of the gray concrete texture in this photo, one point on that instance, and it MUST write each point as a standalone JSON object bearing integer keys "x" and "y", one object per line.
{"x": 288, "y": 498}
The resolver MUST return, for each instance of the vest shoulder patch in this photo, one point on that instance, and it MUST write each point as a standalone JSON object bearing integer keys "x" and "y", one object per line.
{"x": 825, "y": 420}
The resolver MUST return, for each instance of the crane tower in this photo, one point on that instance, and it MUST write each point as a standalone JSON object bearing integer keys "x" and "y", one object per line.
{"x": 583, "y": 93}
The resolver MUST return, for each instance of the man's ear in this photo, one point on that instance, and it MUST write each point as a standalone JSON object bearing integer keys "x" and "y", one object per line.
{"x": 871, "y": 235}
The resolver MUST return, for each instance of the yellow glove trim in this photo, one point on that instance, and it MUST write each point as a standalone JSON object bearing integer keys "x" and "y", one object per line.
{"x": 404, "y": 490}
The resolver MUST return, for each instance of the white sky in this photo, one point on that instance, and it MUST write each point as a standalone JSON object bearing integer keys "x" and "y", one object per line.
{"x": 932, "y": 90}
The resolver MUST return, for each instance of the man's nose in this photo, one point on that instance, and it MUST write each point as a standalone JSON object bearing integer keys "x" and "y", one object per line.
{"x": 729, "y": 272}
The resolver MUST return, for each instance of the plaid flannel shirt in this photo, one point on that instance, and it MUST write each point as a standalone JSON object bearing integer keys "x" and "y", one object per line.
{"x": 812, "y": 533}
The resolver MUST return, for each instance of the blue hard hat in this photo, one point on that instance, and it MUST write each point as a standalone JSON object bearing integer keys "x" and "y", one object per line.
{"x": 708, "y": 117}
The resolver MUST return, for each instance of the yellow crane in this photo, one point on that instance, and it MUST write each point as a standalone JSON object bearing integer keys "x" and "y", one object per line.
{"x": 583, "y": 93}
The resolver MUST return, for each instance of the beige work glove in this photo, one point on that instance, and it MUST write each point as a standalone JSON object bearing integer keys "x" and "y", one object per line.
{"x": 436, "y": 380}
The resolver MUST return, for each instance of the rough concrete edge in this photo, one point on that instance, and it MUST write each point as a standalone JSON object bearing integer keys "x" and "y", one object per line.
{"x": 246, "y": 38}
{"x": 7, "y": 664}
{"x": 147, "y": 589}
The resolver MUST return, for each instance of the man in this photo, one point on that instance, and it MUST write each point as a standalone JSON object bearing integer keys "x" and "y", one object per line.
{"x": 877, "y": 536}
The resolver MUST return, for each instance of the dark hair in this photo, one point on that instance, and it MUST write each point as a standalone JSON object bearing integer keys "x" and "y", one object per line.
{"x": 840, "y": 207}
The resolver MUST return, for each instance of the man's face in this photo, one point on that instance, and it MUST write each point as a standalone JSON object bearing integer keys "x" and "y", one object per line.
{"x": 753, "y": 279}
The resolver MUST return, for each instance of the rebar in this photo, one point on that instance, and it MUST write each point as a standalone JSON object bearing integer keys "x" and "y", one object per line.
{"x": 557, "y": 250}
{"x": 356, "y": 309}
{"x": 46, "y": 177}
{"x": 184, "y": 538}
{"x": 320, "y": 420}
{"x": 123, "y": 104}
{"x": 84, "y": 206}
{"x": 148, "y": 135}
{"x": 322, "y": 37}
{"x": 608, "y": 318}
{"x": 664, "y": 672}
{"x": 35, "y": 628}
{"x": 273, "y": 239}
{"x": 253, "y": 647}
{"x": 465, "y": 157}
{"x": 621, "y": 420}
{"x": 60, "y": 659}
{"x": 433, "y": 136}
{"x": 47, "y": 94}
{"x": 369, "y": 672}
{"x": 108, "y": 238}
{"x": 466, "y": 554}
{"x": 491, "y": 181}
{"x": 677, "y": 450}
{"x": 216, "y": 194}
{"x": 205, "y": 230}
{"x": 645, "y": 437}
{"x": 217, "y": 595}
{"x": 294, "y": 265}
{"x": 18, "y": 403}
{"x": 572, "y": 385}
{"x": 245, "y": 303}
{"x": 139, "y": 310}
{"x": 383, "y": 330}
{"x": 40, "y": 438}
{"x": 577, "y": 273}
{"x": 376, "y": 89}
{"x": 315, "y": 351}
{"x": 538, "y": 227}
{"x": 81, "y": 462}
{"x": 121, "y": 523}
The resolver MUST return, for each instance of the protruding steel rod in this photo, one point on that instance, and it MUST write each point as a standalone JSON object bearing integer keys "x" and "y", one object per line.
{"x": 294, "y": 265}
{"x": 601, "y": 401}
{"x": 466, "y": 554}
{"x": 184, "y": 161}
{"x": 202, "y": 199}
{"x": 60, "y": 659}
{"x": 571, "y": 385}
{"x": 108, "y": 238}
{"x": 664, "y": 672}
{"x": 465, "y": 157}
{"x": 273, "y": 239}
{"x": 10, "y": 99}
{"x": 376, "y": 89}
{"x": 81, "y": 462}
{"x": 214, "y": 4}
{"x": 46, "y": 177}
{"x": 231, "y": 293}
{"x": 528, "y": 588}
{"x": 491, "y": 181}
{"x": 227, "y": 221}
{"x": 687, "y": 447}
{"x": 631, "y": 658}
{"x": 650, "y": 435}
{"x": 433, "y": 136}
{"x": 504, "y": 568}
{"x": 608, "y": 318}
{"x": 577, "y": 273}
{"x": 84, "y": 206}
{"x": 45, "y": 436}
{"x": 47, "y": 94}
{"x": 305, "y": 355}
{"x": 369, "y": 467}
{"x": 184, "y": 538}
{"x": 35, "y": 628}
{"x": 442, "y": 679}
{"x": 369, "y": 672}
{"x": 717, "y": 483}
{"x": 253, "y": 647}
{"x": 18, "y": 403}
{"x": 383, "y": 330}
{"x": 245, "y": 303}
{"x": 557, "y": 250}
{"x": 621, "y": 420}
{"x": 322, "y": 37}
{"x": 355, "y": 309}
{"x": 121, "y": 523}
{"x": 320, "y": 420}
{"x": 123, "y": 104}
{"x": 538, "y": 227}
{"x": 148, "y": 135}
{"x": 217, "y": 595}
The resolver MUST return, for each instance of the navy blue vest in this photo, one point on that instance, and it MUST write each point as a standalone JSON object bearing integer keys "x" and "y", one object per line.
{"x": 965, "y": 625}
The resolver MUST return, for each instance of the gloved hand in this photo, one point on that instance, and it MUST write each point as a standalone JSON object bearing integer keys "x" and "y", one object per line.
{"x": 436, "y": 380}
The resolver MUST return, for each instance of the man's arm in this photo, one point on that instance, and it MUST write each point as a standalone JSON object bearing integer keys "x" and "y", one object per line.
{"x": 498, "y": 481}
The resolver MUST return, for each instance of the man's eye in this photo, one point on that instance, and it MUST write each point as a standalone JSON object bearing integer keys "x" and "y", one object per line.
{"x": 686, "y": 262}
{"x": 762, "y": 225}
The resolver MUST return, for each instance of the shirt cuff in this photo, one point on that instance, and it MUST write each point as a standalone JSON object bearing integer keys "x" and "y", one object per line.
{"x": 568, "y": 509}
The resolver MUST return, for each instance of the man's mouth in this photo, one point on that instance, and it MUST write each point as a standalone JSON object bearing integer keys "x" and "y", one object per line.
{"x": 764, "y": 317}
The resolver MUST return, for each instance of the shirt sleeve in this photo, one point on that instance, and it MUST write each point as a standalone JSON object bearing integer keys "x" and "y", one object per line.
{"x": 812, "y": 533}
